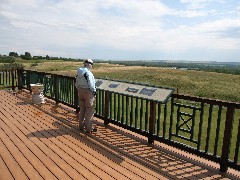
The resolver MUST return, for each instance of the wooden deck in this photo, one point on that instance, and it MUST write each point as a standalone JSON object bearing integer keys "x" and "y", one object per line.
{"x": 43, "y": 142}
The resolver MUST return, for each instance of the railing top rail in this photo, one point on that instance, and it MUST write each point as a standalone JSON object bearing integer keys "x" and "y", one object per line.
{"x": 10, "y": 69}
{"x": 51, "y": 74}
{"x": 207, "y": 100}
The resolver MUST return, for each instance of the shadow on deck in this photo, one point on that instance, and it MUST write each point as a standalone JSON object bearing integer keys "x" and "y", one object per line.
{"x": 43, "y": 142}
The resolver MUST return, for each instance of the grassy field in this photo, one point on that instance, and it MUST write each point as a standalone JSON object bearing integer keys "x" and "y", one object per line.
{"x": 221, "y": 86}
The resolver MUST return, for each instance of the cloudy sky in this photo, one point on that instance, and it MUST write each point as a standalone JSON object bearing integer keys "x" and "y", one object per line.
{"x": 194, "y": 30}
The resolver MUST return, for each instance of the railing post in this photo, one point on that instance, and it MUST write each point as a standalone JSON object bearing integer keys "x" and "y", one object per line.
{"x": 56, "y": 89}
{"x": 76, "y": 97}
{"x": 227, "y": 139}
{"x": 28, "y": 81}
{"x": 152, "y": 119}
{"x": 20, "y": 81}
{"x": 13, "y": 79}
{"x": 106, "y": 109}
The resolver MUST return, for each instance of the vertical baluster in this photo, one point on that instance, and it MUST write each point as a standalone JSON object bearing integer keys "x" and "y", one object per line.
{"x": 12, "y": 75}
{"x": 103, "y": 102}
{"x": 106, "y": 107}
{"x": 131, "y": 112}
{"x": 76, "y": 100}
{"x": 122, "y": 119}
{"x": 4, "y": 72}
{"x": 200, "y": 126}
{"x": 127, "y": 109}
{"x": 1, "y": 78}
{"x": 136, "y": 114}
{"x": 141, "y": 115}
{"x": 165, "y": 120}
{"x": 115, "y": 106}
{"x": 97, "y": 102}
{"x": 119, "y": 108}
{"x": 237, "y": 144}
{"x": 70, "y": 90}
{"x": 193, "y": 124}
{"x": 62, "y": 89}
{"x": 8, "y": 77}
{"x": 56, "y": 89}
{"x": 217, "y": 130}
{"x": 209, "y": 128}
{"x": 66, "y": 89}
{"x": 146, "y": 115}
{"x": 159, "y": 119}
{"x": 110, "y": 105}
{"x": 171, "y": 119}
{"x": 61, "y": 93}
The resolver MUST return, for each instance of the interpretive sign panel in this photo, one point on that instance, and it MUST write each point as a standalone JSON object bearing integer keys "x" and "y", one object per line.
{"x": 160, "y": 94}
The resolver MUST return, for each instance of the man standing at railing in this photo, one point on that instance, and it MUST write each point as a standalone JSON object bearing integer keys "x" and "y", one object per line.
{"x": 85, "y": 84}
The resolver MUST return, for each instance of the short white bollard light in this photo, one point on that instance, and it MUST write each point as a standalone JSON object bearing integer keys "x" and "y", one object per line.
{"x": 37, "y": 93}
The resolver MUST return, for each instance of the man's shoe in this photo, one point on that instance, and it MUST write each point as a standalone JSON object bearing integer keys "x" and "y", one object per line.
{"x": 94, "y": 130}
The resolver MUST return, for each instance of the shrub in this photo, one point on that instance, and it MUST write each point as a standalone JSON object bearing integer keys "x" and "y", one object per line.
{"x": 7, "y": 59}
{"x": 12, "y": 66}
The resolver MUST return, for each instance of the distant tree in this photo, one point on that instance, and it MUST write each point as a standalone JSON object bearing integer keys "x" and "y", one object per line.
{"x": 47, "y": 57}
{"x": 22, "y": 56}
{"x": 14, "y": 54}
{"x": 28, "y": 56}
{"x": 37, "y": 57}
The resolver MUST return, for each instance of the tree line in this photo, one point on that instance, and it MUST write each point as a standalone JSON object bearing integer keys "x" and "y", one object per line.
{"x": 219, "y": 67}
{"x": 228, "y": 68}
{"x": 28, "y": 56}
{"x": 9, "y": 61}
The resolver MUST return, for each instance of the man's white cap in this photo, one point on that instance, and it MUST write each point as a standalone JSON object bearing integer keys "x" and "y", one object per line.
{"x": 89, "y": 61}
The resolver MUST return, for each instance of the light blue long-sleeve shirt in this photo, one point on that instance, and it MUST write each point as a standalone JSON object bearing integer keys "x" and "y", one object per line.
{"x": 85, "y": 79}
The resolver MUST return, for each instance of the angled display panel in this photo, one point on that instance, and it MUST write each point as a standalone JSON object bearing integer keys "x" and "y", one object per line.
{"x": 160, "y": 94}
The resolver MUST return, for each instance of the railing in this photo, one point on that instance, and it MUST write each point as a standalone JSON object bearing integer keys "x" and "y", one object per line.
{"x": 205, "y": 127}
{"x": 9, "y": 78}
{"x": 57, "y": 87}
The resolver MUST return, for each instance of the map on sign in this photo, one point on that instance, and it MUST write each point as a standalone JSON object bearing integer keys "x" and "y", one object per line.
{"x": 98, "y": 83}
{"x": 148, "y": 92}
{"x": 159, "y": 94}
{"x": 113, "y": 85}
{"x": 133, "y": 90}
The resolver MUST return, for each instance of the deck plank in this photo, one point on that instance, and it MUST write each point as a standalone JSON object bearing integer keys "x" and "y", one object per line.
{"x": 11, "y": 163}
{"x": 60, "y": 167}
{"x": 40, "y": 160}
{"x": 5, "y": 173}
{"x": 43, "y": 142}
{"x": 17, "y": 149}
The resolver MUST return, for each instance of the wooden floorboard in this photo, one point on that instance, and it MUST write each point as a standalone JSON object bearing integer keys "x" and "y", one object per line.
{"x": 43, "y": 142}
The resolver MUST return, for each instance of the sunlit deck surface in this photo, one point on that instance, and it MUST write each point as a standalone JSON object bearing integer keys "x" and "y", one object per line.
{"x": 43, "y": 142}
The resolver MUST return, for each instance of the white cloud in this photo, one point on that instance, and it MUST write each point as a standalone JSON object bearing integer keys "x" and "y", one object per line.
{"x": 199, "y": 4}
{"x": 56, "y": 27}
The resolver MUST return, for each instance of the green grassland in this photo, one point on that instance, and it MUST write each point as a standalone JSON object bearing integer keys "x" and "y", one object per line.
{"x": 225, "y": 87}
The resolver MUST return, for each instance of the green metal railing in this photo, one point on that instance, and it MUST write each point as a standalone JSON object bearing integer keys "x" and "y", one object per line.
{"x": 57, "y": 87}
{"x": 9, "y": 78}
{"x": 205, "y": 127}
